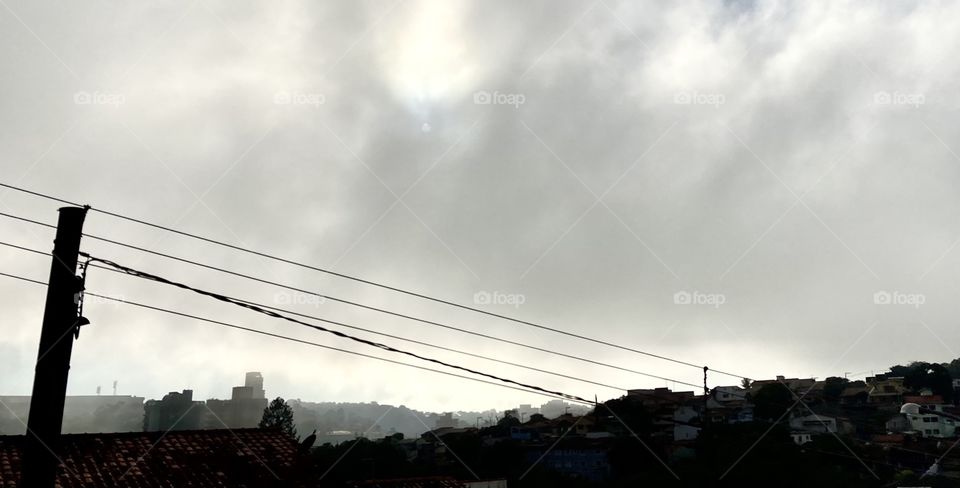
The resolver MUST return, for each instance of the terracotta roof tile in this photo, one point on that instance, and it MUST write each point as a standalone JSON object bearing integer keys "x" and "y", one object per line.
{"x": 239, "y": 457}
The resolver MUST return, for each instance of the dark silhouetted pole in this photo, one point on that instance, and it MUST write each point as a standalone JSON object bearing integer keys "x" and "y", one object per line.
{"x": 60, "y": 321}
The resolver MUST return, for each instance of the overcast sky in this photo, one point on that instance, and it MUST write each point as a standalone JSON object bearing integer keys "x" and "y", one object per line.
{"x": 776, "y": 164}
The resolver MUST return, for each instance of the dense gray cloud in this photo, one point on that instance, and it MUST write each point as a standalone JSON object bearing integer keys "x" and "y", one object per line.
{"x": 788, "y": 159}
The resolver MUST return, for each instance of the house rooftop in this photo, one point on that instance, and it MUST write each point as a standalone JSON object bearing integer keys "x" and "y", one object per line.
{"x": 250, "y": 457}
{"x": 923, "y": 399}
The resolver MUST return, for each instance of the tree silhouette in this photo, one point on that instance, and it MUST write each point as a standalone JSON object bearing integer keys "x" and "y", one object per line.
{"x": 509, "y": 419}
{"x": 833, "y": 388}
{"x": 772, "y": 402}
{"x": 934, "y": 376}
{"x": 278, "y": 415}
{"x": 954, "y": 368}
{"x": 537, "y": 417}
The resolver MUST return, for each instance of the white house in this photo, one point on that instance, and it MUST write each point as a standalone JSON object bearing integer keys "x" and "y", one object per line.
{"x": 683, "y": 415}
{"x": 922, "y": 413}
{"x": 726, "y": 394}
{"x": 815, "y": 424}
{"x": 932, "y": 425}
{"x": 801, "y": 438}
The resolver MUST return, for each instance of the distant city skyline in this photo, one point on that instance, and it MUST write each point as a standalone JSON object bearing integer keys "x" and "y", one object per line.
{"x": 181, "y": 410}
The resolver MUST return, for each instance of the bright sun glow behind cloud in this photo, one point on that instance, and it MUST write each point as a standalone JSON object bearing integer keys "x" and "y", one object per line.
{"x": 427, "y": 57}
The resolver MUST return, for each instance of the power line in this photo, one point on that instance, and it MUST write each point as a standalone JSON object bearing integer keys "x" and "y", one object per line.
{"x": 38, "y": 194}
{"x": 331, "y": 298}
{"x": 29, "y": 280}
{"x": 506, "y": 341}
{"x": 27, "y": 249}
{"x": 301, "y": 341}
{"x": 572, "y": 398}
{"x": 412, "y": 341}
{"x": 450, "y": 327}
{"x": 270, "y": 313}
{"x": 377, "y": 284}
{"x": 380, "y": 310}
{"x": 437, "y": 346}
{"x": 37, "y": 222}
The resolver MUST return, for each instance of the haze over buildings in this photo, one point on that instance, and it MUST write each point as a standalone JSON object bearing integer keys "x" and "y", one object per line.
{"x": 181, "y": 411}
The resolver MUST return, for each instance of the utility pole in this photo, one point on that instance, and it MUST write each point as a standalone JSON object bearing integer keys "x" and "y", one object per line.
{"x": 61, "y": 322}
{"x": 706, "y": 399}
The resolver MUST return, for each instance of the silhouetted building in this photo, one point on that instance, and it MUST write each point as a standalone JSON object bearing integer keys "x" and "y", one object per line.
{"x": 254, "y": 381}
{"x": 809, "y": 388}
{"x": 176, "y": 411}
{"x": 660, "y": 397}
{"x": 526, "y": 410}
{"x": 445, "y": 420}
{"x": 243, "y": 409}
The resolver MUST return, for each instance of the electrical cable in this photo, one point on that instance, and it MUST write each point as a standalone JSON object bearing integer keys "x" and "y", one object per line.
{"x": 301, "y": 341}
{"x": 486, "y": 336}
{"x": 270, "y": 313}
{"x": 373, "y": 283}
{"x": 385, "y": 311}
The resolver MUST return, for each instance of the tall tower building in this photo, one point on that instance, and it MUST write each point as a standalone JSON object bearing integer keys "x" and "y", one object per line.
{"x": 254, "y": 381}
